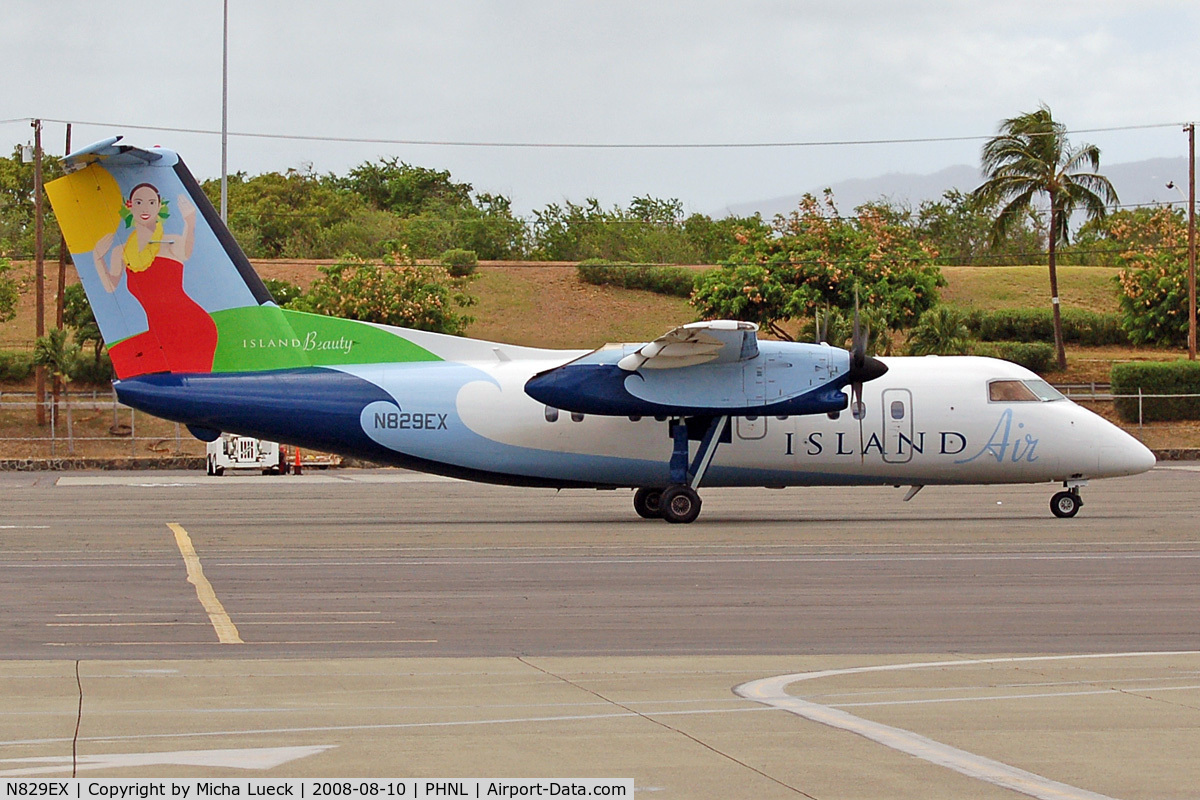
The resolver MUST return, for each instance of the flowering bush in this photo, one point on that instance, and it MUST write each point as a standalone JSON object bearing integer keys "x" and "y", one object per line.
{"x": 814, "y": 258}
{"x": 1153, "y": 290}
{"x": 396, "y": 292}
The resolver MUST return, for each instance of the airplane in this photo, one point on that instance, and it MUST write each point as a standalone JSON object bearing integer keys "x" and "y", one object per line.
{"x": 195, "y": 337}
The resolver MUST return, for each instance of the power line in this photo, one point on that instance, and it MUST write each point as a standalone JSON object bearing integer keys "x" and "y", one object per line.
{"x": 586, "y": 145}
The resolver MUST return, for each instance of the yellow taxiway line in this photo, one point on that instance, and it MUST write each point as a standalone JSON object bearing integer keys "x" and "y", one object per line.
{"x": 227, "y": 632}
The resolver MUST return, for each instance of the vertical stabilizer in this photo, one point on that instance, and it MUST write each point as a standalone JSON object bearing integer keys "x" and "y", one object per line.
{"x": 170, "y": 288}
{"x": 158, "y": 266}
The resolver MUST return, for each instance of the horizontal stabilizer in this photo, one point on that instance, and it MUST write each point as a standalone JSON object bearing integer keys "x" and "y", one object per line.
{"x": 116, "y": 154}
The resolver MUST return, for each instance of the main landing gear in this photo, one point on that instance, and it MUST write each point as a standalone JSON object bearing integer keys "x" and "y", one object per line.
{"x": 648, "y": 503}
{"x": 1067, "y": 503}
{"x": 679, "y": 502}
{"x": 676, "y": 503}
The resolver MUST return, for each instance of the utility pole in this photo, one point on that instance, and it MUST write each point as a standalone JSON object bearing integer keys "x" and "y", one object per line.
{"x": 39, "y": 266}
{"x": 1191, "y": 132}
{"x": 60, "y": 296}
{"x": 62, "y": 256}
{"x": 225, "y": 115}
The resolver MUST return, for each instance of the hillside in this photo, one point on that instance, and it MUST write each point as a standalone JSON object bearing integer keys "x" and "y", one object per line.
{"x": 533, "y": 303}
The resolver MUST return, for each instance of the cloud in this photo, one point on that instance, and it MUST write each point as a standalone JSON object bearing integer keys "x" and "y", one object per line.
{"x": 616, "y": 71}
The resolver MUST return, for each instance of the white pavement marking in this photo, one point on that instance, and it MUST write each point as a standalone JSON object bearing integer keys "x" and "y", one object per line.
{"x": 399, "y": 477}
{"x": 274, "y": 480}
{"x": 263, "y": 644}
{"x": 241, "y": 614}
{"x": 173, "y": 623}
{"x": 773, "y": 692}
{"x": 246, "y": 758}
{"x": 389, "y": 726}
{"x": 1007, "y": 697}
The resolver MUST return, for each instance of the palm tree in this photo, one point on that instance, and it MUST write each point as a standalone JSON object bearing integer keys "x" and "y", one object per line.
{"x": 59, "y": 355}
{"x": 1031, "y": 157}
{"x": 942, "y": 330}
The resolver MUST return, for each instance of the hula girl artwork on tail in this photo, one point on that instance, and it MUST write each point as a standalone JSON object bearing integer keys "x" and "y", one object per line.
{"x": 172, "y": 291}
{"x": 152, "y": 263}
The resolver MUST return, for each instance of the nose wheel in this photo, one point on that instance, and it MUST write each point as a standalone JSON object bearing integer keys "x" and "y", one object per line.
{"x": 1066, "y": 504}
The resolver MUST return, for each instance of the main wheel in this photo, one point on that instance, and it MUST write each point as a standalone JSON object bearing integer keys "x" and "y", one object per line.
{"x": 1065, "y": 504}
{"x": 680, "y": 504}
{"x": 648, "y": 503}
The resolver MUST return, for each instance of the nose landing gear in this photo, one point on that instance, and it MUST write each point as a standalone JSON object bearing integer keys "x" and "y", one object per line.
{"x": 1067, "y": 503}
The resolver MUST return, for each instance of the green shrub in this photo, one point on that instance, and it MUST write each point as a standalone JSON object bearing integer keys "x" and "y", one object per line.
{"x": 89, "y": 369}
{"x": 1036, "y": 356}
{"x": 1157, "y": 377}
{"x": 9, "y": 292}
{"x": 1152, "y": 286}
{"x": 396, "y": 292}
{"x": 283, "y": 291}
{"x": 15, "y": 366}
{"x": 941, "y": 330}
{"x": 1087, "y": 328}
{"x": 671, "y": 281}
{"x": 460, "y": 263}
{"x": 1094, "y": 329}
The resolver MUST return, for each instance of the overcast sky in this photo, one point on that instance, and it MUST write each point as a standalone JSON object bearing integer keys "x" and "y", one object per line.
{"x": 605, "y": 73}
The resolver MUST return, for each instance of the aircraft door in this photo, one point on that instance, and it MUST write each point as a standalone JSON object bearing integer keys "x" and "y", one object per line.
{"x": 898, "y": 441}
{"x": 751, "y": 427}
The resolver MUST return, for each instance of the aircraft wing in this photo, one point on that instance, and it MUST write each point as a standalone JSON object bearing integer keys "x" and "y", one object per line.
{"x": 721, "y": 341}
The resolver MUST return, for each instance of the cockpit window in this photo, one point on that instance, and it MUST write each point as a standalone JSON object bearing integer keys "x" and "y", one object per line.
{"x": 1030, "y": 391}
{"x": 1010, "y": 392}
{"x": 1044, "y": 391}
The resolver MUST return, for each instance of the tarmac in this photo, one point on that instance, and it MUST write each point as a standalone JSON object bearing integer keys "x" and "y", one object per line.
{"x": 815, "y": 643}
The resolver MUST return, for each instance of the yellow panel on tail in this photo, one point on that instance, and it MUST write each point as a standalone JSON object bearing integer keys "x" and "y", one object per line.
{"x": 88, "y": 206}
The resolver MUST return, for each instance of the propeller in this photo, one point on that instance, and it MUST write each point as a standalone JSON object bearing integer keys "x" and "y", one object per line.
{"x": 863, "y": 368}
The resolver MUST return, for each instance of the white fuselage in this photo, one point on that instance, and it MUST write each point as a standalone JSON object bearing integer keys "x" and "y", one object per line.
{"x": 929, "y": 420}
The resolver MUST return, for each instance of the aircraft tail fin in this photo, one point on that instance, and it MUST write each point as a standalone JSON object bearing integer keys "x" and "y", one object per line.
{"x": 170, "y": 288}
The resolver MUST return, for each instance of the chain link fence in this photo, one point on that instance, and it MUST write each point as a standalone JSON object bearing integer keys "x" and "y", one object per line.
{"x": 87, "y": 426}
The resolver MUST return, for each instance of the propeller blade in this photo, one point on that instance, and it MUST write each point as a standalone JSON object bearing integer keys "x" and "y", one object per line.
{"x": 863, "y": 368}
{"x": 862, "y": 453}
{"x": 859, "y": 411}
{"x": 856, "y": 353}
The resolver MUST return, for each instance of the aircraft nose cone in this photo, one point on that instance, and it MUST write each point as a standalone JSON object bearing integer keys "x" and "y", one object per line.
{"x": 1126, "y": 457}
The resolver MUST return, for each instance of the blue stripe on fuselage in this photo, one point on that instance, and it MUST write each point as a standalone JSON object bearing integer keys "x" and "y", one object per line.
{"x": 311, "y": 407}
